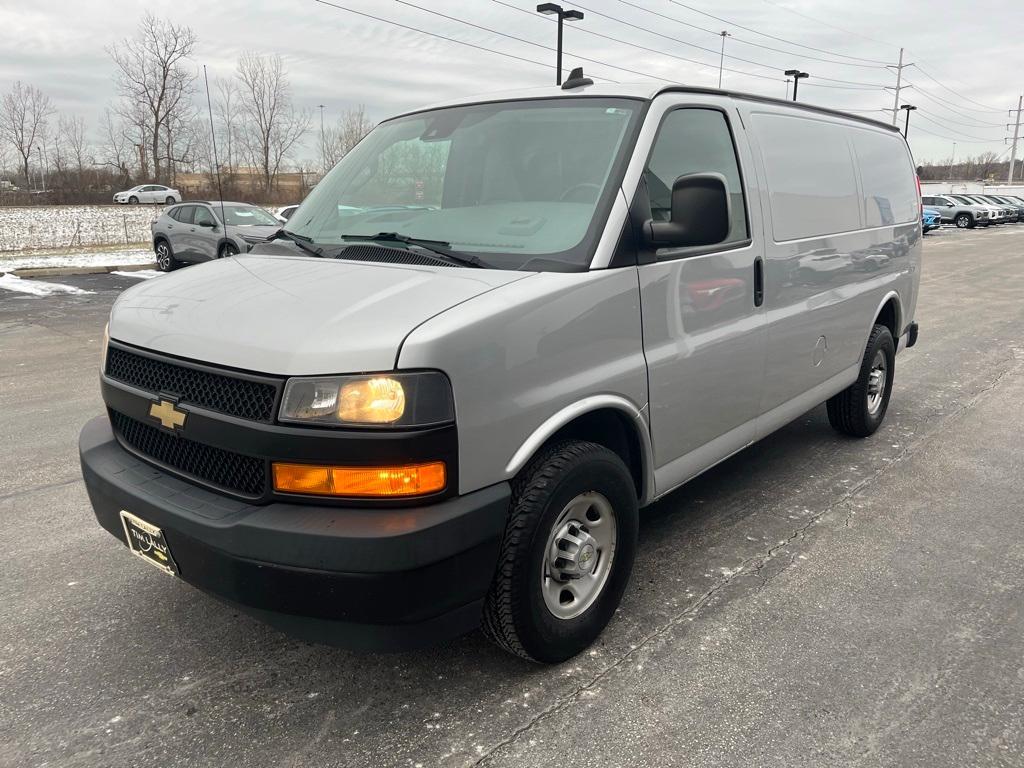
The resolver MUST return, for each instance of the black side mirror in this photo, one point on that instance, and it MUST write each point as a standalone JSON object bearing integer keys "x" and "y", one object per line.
{"x": 208, "y": 223}
{"x": 700, "y": 213}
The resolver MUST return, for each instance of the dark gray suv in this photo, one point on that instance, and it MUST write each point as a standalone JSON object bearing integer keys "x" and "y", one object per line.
{"x": 193, "y": 232}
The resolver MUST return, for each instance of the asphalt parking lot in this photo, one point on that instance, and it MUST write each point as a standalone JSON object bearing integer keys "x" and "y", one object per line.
{"x": 814, "y": 601}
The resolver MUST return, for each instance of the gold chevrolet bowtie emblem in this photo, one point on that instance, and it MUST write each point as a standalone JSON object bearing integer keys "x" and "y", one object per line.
{"x": 169, "y": 416}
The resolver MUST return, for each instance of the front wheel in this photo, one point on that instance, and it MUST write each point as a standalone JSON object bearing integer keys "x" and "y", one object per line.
{"x": 165, "y": 260}
{"x": 860, "y": 408}
{"x": 964, "y": 220}
{"x": 133, "y": 200}
{"x": 228, "y": 249}
{"x": 566, "y": 554}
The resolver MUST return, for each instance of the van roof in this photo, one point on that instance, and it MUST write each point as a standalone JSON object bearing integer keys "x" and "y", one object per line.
{"x": 644, "y": 91}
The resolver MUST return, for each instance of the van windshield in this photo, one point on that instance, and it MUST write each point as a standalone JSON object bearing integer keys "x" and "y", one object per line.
{"x": 519, "y": 184}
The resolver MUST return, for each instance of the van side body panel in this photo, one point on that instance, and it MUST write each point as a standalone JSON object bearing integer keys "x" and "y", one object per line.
{"x": 527, "y": 352}
{"x": 834, "y": 249}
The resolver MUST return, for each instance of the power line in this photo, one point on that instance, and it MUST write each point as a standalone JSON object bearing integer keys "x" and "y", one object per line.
{"x": 874, "y": 62}
{"x": 546, "y": 65}
{"x": 528, "y": 42}
{"x": 770, "y": 67}
{"x": 831, "y": 26}
{"x": 956, "y": 132}
{"x": 958, "y": 141}
{"x": 955, "y": 93}
{"x": 650, "y": 31}
{"x": 957, "y": 122}
{"x": 943, "y": 102}
{"x": 534, "y": 15}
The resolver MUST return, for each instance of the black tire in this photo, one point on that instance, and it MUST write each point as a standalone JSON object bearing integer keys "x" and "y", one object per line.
{"x": 169, "y": 200}
{"x": 165, "y": 260}
{"x": 226, "y": 250}
{"x": 964, "y": 221}
{"x": 851, "y": 412}
{"x": 516, "y": 616}
{"x": 133, "y": 200}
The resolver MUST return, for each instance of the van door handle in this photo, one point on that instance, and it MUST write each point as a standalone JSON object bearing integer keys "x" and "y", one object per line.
{"x": 758, "y": 282}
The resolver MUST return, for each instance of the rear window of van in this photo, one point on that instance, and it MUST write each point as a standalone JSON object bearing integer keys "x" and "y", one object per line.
{"x": 811, "y": 167}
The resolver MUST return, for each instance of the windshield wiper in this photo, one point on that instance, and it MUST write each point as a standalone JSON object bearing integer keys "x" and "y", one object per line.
{"x": 299, "y": 240}
{"x": 440, "y": 247}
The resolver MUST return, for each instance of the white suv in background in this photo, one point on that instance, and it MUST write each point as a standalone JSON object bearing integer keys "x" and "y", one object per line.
{"x": 148, "y": 193}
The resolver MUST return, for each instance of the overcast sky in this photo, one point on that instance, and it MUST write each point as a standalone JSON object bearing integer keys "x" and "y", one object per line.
{"x": 340, "y": 59}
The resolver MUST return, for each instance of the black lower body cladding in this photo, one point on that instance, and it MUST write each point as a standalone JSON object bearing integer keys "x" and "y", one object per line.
{"x": 380, "y": 579}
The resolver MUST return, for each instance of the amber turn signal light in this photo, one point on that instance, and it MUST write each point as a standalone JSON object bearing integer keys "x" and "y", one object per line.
{"x": 365, "y": 482}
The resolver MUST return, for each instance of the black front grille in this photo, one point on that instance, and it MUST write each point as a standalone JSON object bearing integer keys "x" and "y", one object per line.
{"x": 231, "y": 395}
{"x": 246, "y": 475}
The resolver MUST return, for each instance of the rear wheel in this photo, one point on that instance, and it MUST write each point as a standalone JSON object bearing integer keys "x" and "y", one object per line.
{"x": 169, "y": 200}
{"x": 566, "y": 554}
{"x": 165, "y": 260}
{"x": 860, "y": 408}
{"x": 964, "y": 220}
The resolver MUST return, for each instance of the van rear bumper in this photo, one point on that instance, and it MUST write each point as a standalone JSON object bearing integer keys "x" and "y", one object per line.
{"x": 374, "y": 579}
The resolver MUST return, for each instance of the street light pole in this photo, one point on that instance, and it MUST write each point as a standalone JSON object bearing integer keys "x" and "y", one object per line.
{"x": 796, "y": 74}
{"x": 721, "y": 60}
{"x": 553, "y": 9}
{"x": 952, "y": 162}
{"x": 323, "y": 147}
{"x": 906, "y": 126}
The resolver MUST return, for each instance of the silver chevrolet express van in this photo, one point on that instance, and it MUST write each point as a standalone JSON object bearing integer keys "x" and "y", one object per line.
{"x": 494, "y": 332}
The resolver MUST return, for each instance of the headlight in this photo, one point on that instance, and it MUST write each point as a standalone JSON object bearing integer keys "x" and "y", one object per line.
{"x": 389, "y": 399}
{"x": 103, "y": 347}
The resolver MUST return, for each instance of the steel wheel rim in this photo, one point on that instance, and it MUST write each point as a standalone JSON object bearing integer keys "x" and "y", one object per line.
{"x": 579, "y": 555}
{"x": 877, "y": 378}
{"x": 163, "y": 257}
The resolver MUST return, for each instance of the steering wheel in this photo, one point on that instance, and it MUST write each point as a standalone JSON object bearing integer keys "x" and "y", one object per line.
{"x": 583, "y": 185}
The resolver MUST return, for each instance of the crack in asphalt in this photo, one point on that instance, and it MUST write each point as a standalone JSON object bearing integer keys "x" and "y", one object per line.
{"x": 37, "y": 488}
{"x": 759, "y": 562}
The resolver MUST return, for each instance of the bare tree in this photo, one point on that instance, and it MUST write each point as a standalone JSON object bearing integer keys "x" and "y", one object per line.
{"x": 118, "y": 149}
{"x": 155, "y": 82}
{"x": 225, "y": 107}
{"x": 350, "y": 129}
{"x": 24, "y": 119}
{"x": 71, "y": 130}
{"x": 272, "y": 124}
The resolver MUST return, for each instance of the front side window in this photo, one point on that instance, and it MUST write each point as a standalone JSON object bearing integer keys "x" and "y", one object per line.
{"x": 695, "y": 140}
{"x": 517, "y": 184}
{"x": 203, "y": 217}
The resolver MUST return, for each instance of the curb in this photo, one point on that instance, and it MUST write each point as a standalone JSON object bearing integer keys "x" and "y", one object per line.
{"x": 69, "y": 271}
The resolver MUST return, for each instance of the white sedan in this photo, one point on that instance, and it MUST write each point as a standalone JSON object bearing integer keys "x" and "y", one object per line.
{"x": 148, "y": 193}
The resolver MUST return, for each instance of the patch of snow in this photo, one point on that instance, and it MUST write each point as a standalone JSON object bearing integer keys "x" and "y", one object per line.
{"x": 141, "y": 274}
{"x": 103, "y": 258}
{"x": 37, "y": 287}
{"x": 66, "y": 226}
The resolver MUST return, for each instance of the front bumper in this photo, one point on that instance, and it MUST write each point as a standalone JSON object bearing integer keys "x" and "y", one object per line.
{"x": 375, "y": 579}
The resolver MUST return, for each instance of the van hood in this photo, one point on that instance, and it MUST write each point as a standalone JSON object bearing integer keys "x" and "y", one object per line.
{"x": 293, "y": 316}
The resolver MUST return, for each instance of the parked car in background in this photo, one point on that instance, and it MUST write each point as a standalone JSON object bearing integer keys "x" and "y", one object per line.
{"x": 283, "y": 214}
{"x": 998, "y": 214}
{"x": 383, "y": 429}
{"x": 953, "y": 211}
{"x": 1015, "y": 210}
{"x": 194, "y": 232}
{"x": 148, "y": 193}
{"x": 931, "y": 219}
